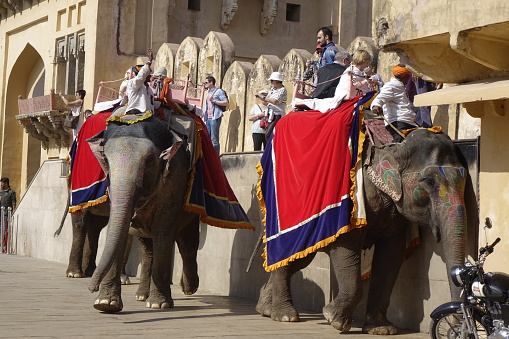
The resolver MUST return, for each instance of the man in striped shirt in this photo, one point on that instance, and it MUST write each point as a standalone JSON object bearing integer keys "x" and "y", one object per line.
{"x": 324, "y": 39}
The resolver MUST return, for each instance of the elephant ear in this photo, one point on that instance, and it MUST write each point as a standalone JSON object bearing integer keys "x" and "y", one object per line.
{"x": 170, "y": 152}
{"x": 385, "y": 170}
{"x": 96, "y": 144}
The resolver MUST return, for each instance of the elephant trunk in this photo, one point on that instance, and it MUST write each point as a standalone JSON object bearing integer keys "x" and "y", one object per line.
{"x": 124, "y": 189}
{"x": 454, "y": 249}
{"x": 452, "y": 221}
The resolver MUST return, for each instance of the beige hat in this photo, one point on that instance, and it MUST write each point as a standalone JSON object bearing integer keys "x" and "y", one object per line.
{"x": 263, "y": 91}
{"x": 276, "y": 76}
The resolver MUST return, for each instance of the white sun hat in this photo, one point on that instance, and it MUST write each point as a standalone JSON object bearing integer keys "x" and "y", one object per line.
{"x": 276, "y": 76}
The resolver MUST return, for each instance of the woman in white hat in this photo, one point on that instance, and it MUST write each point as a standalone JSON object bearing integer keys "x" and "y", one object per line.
{"x": 258, "y": 111}
{"x": 276, "y": 101}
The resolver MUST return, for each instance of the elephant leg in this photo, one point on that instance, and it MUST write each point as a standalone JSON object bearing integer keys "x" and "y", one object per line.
{"x": 160, "y": 292}
{"x": 109, "y": 299}
{"x": 188, "y": 242}
{"x": 146, "y": 269}
{"x": 387, "y": 261}
{"x": 79, "y": 232}
{"x": 345, "y": 256}
{"x": 124, "y": 278}
{"x": 282, "y": 308}
{"x": 94, "y": 224}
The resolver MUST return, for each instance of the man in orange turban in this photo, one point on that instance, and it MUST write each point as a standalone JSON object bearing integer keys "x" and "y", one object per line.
{"x": 400, "y": 71}
{"x": 397, "y": 108}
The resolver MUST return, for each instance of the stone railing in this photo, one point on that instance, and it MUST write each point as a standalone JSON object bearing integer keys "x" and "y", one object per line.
{"x": 43, "y": 118}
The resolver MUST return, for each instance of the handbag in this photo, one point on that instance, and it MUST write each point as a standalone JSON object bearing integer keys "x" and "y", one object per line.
{"x": 264, "y": 122}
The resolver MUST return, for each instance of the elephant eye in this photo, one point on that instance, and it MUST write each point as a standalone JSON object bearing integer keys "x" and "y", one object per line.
{"x": 427, "y": 181}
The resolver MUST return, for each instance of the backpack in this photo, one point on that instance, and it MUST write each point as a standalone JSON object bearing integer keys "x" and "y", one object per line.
{"x": 223, "y": 108}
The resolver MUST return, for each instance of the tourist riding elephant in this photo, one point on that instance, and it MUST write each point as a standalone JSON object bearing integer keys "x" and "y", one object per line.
{"x": 148, "y": 175}
{"x": 420, "y": 180}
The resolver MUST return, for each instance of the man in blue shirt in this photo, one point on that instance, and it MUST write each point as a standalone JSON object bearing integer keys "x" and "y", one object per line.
{"x": 212, "y": 113}
{"x": 324, "y": 39}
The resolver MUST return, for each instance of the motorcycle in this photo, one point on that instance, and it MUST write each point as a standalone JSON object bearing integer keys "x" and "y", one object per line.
{"x": 484, "y": 309}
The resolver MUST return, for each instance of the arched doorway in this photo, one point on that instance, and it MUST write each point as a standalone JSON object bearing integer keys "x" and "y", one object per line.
{"x": 21, "y": 153}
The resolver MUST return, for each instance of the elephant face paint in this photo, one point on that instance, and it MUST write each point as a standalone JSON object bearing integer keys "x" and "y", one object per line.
{"x": 447, "y": 182}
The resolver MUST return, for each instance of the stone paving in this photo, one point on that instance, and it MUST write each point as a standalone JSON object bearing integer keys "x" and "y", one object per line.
{"x": 38, "y": 301}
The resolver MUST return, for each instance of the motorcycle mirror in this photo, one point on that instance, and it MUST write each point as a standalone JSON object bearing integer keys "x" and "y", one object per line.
{"x": 487, "y": 222}
{"x": 470, "y": 260}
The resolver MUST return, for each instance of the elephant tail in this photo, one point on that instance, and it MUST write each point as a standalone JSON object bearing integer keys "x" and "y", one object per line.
{"x": 66, "y": 211}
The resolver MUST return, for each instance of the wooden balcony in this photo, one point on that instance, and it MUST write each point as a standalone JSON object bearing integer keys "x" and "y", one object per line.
{"x": 43, "y": 118}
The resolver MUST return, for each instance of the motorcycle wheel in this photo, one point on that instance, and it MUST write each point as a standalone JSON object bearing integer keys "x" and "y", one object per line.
{"x": 448, "y": 326}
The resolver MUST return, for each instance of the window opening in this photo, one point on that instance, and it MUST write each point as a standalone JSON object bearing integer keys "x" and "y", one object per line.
{"x": 193, "y": 5}
{"x": 292, "y": 12}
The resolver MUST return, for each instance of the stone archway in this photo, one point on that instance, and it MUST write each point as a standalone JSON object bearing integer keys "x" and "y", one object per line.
{"x": 21, "y": 153}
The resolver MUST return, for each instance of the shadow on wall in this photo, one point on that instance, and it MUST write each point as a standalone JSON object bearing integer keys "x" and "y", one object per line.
{"x": 233, "y": 138}
{"x": 248, "y": 284}
{"x": 442, "y": 118}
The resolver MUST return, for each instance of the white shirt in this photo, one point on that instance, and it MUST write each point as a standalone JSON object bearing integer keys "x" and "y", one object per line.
{"x": 395, "y": 103}
{"x": 140, "y": 96}
{"x": 327, "y": 104}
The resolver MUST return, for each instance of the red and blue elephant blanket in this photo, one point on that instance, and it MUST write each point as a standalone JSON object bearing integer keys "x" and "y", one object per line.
{"x": 209, "y": 193}
{"x": 308, "y": 178}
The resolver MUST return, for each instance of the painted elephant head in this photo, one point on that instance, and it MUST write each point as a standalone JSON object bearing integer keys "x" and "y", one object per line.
{"x": 426, "y": 180}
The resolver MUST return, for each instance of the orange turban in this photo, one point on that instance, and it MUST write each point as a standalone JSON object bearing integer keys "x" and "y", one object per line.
{"x": 400, "y": 70}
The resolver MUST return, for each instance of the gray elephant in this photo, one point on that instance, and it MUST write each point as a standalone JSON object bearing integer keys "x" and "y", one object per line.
{"x": 146, "y": 191}
{"x": 420, "y": 180}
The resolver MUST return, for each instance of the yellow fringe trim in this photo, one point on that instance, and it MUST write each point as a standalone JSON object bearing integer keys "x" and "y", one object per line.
{"x": 200, "y": 210}
{"x": 78, "y": 209}
{"x": 353, "y": 173}
{"x": 312, "y": 249}
{"x": 68, "y": 177}
{"x": 145, "y": 116}
{"x": 434, "y": 129}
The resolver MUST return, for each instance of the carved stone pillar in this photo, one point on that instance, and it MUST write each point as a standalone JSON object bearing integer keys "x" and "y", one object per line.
{"x": 227, "y": 12}
{"x": 268, "y": 14}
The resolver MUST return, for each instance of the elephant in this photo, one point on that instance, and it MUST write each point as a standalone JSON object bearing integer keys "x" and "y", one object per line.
{"x": 146, "y": 192}
{"x": 421, "y": 180}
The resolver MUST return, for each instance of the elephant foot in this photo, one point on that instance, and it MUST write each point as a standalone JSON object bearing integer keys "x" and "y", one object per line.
{"x": 379, "y": 325}
{"x": 380, "y": 330}
{"x": 72, "y": 274}
{"x": 141, "y": 296}
{"x": 124, "y": 279}
{"x": 108, "y": 305}
{"x": 336, "y": 319}
{"x": 264, "y": 304}
{"x": 285, "y": 314}
{"x": 189, "y": 286}
{"x": 158, "y": 304}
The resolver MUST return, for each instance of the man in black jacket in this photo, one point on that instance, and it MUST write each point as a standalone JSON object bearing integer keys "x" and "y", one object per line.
{"x": 328, "y": 76}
